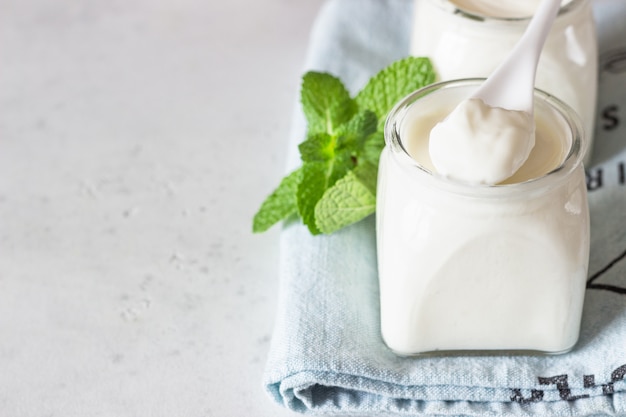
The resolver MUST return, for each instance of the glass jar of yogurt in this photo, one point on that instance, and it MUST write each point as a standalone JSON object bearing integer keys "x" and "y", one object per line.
{"x": 469, "y": 38}
{"x": 481, "y": 267}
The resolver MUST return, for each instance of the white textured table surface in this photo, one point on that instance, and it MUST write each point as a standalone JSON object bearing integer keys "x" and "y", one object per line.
{"x": 136, "y": 141}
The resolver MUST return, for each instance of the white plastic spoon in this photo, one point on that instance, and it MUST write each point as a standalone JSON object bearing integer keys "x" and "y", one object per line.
{"x": 489, "y": 136}
{"x": 511, "y": 85}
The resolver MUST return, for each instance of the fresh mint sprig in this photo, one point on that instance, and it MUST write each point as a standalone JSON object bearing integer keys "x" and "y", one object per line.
{"x": 336, "y": 184}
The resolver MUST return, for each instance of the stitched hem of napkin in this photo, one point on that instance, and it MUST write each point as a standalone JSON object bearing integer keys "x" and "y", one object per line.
{"x": 340, "y": 394}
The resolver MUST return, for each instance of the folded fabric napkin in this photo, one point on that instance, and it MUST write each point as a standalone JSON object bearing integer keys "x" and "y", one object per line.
{"x": 327, "y": 355}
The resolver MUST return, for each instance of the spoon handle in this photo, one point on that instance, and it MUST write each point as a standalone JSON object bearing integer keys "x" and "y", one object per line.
{"x": 511, "y": 83}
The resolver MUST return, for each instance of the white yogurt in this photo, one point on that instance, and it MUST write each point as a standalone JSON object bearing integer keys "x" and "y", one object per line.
{"x": 480, "y": 144}
{"x": 470, "y": 38}
{"x": 465, "y": 267}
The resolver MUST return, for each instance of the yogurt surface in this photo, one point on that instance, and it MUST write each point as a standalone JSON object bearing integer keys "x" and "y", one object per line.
{"x": 480, "y": 144}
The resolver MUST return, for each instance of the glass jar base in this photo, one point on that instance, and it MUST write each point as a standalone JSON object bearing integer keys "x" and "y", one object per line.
{"x": 481, "y": 352}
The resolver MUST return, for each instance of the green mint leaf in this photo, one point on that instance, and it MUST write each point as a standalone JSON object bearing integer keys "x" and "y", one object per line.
{"x": 372, "y": 147}
{"x": 326, "y": 102}
{"x": 391, "y": 84}
{"x": 346, "y": 202}
{"x": 355, "y": 132}
{"x": 318, "y": 147}
{"x": 317, "y": 177}
{"x": 279, "y": 205}
{"x": 349, "y": 138}
{"x": 336, "y": 184}
{"x": 367, "y": 174}
{"x": 310, "y": 190}
{"x": 327, "y": 158}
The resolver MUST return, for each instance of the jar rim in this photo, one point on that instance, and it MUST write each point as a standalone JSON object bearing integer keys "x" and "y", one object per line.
{"x": 571, "y": 160}
{"x": 453, "y": 8}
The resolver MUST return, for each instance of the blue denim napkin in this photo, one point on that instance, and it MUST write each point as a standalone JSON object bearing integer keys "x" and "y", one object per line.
{"x": 327, "y": 356}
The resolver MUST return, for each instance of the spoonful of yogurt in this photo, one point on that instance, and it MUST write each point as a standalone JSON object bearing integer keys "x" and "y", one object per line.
{"x": 489, "y": 136}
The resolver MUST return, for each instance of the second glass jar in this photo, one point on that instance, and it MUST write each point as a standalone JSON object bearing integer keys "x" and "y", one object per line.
{"x": 465, "y": 44}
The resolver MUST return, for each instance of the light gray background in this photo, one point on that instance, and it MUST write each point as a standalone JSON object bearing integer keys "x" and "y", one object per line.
{"x": 137, "y": 139}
